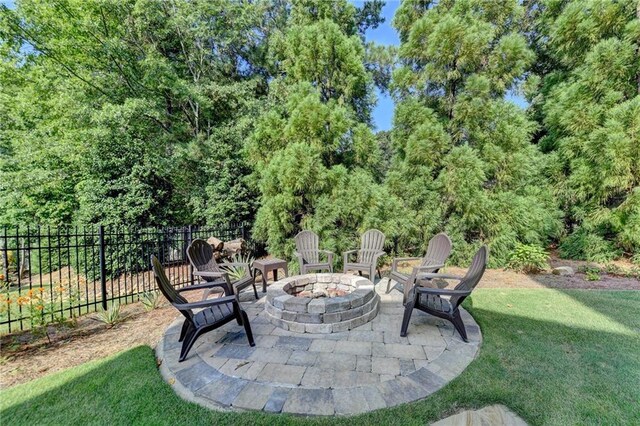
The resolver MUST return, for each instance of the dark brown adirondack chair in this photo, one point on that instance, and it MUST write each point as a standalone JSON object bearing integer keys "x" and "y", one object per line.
{"x": 438, "y": 251}
{"x": 371, "y": 245}
{"x": 214, "y": 313}
{"x": 200, "y": 255}
{"x": 430, "y": 300}
{"x": 308, "y": 253}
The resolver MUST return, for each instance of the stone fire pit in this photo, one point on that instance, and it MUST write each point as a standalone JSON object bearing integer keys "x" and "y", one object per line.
{"x": 321, "y": 303}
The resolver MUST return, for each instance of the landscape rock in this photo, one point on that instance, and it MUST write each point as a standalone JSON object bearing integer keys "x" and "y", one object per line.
{"x": 563, "y": 270}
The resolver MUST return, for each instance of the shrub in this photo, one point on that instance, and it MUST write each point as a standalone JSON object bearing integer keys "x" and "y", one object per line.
{"x": 528, "y": 258}
{"x": 613, "y": 269}
{"x": 588, "y": 246}
{"x": 592, "y": 273}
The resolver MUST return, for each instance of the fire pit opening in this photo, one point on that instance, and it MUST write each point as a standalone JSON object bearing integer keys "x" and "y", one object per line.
{"x": 321, "y": 291}
{"x": 321, "y": 303}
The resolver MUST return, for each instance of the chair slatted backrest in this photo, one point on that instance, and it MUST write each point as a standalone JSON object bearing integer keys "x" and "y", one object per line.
{"x": 371, "y": 242}
{"x": 200, "y": 255}
{"x": 473, "y": 275}
{"x": 166, "y": 288}
{"x": 438, "y": 250}
{"x": 307, "y": 245}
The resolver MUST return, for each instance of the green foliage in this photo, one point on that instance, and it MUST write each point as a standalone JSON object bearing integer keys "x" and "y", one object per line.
{"x": 589, "y": 104}
{"x": 237, "y": 272}
{"x": 613, "y": 269}
{"x": 130, "y": 112}
{"x": 591, "y": 273}
{"x": 587, "y": 246}
{"x": 110, "y": 316}
{"x": 529, "y": 259}
{"x": 464, "y": 163}
{"x": 149, "y": 113}
{"x": 151, "y": 300}
{"x": 316, "y": 160}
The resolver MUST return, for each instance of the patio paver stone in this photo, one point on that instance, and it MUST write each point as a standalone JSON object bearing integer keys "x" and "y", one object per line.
{"x": 342, "y": 373}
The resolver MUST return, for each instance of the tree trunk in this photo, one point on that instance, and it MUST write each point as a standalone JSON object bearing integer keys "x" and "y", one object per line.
{"x": 24, "y": 261}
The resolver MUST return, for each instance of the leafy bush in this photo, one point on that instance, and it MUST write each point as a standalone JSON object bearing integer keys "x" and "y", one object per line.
{"x": 588, "y": 246}
{"x": 592, "y": 273}
{"x": 528, "y": 258}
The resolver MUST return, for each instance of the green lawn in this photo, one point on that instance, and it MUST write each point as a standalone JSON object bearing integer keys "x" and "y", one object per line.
{"x": 554, "y": 357}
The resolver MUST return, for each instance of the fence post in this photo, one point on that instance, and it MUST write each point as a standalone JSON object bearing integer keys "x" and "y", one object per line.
{"x": 189, "y": 238}
{"x": 4, "y": 247}
{"x": 103, "y": 267}
{"x": 244, "y": 231}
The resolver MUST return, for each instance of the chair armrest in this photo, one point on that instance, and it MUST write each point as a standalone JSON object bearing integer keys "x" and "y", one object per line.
{"x": 394, "y": 264}
{"x": 206, "y": 303}
{"x": 442, "y": 291}
{"x": 208, "y": 284}
{"x": 246, "y": 265}
{"x": 210, "y": 274}
{"x": 299, "y": 257}
{"x": 377, "y": 256}
{"x": 346, "y": 254}
{"x": 431, "y": 275}
{"x": 430, "y": 268}
{"x": 329, "y": 255}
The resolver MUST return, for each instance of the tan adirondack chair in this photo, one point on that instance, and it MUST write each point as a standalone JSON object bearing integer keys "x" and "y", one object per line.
{"x": 371, "y": 245}
{"x": 308, "y": 253}
{"x": 438, "y": 251}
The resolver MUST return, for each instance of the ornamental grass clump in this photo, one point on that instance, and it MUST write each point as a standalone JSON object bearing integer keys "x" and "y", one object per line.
{"x": 150, "y": 300}
{"x": 237, "y": 272}
{"x": 110, "y": 316}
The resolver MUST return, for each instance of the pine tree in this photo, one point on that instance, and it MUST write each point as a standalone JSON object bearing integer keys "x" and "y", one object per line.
{"x": 589, "y": 104}
{"x": 464, "y": 163}
{"x": 315, "y": 157}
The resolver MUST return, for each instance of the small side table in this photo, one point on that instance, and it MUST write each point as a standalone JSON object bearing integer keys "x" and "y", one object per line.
{"x": 266, "y": 265}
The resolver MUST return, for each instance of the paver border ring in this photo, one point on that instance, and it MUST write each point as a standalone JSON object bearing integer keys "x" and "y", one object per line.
{"x": 346, "y": 373}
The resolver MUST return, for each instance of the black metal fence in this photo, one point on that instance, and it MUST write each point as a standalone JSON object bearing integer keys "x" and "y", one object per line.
{"x": 55, "y": 273}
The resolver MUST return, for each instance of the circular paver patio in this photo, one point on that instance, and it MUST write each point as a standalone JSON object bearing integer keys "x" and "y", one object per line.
{"x": 349, "y": 372}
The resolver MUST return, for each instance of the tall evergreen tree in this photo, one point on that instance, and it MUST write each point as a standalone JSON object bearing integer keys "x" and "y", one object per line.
{"x": 589, "y": 104}
{"x": 464, "y": 162}
{"x": 314, "y": 148}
